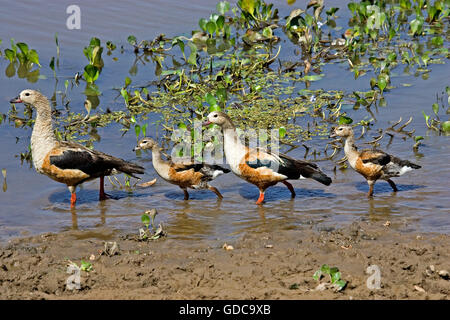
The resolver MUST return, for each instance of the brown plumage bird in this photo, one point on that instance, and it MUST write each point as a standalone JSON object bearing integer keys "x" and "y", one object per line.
{"x": 184, "y": 175}
{"x": 260, "y": 167}
{"x": 68, "y": 162}
{"x": 372, "y": 164}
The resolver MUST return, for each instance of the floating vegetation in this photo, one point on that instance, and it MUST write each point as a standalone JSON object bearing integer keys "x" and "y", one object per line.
{"x": 234, "y": 62}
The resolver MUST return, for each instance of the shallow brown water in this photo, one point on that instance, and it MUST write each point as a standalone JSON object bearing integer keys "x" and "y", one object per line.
{"x": 34, "y": 204}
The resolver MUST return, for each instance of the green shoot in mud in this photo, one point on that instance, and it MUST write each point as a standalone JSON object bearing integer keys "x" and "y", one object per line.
{"x": 335, "y": 277}
{"x": 150, "y": 232}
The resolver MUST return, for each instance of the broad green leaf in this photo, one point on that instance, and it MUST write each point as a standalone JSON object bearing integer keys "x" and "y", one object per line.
{"x": 220, "y": 22}
{"x": 416, "y": 25}
{"x": 132, "y": 40}
{"x": 90, "y": 73}
{"x": 345, "y": 120}
{"x": 23, "y": 47}
{"x": 137, "y": 130}
{"x": 145, "y": 220}
{"x": 193, "y": 56}
{"x": 341, "y": 284}
{"x": 282, "y": 132}
{"x": 211, "y": 27}
{"x": 214, "y": 108}
{"x": 267, "y": 32}
{"x": 317, "y": 275}
{"x": 127, "y": 81}
{"x": 381, "y": 82}
{"x": 446, "y": 126}
{"x": 202, "y": 23}
{"x": 222, "y": 7}
{"x": 210, "y": 99}
{"x": 248, "y": 6}
{"x": 10, "y": 55}
{"x": 418, "y": 138}
{"x": 335, "y": 277}
{"x": 182, "y": 125}
{"x": 325, "y": 269}
{"x": 435, "y": 108}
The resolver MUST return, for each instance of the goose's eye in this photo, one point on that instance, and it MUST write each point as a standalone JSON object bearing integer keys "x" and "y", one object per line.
{"x": 27, "y": 94}
{"x": 215, "y": 116}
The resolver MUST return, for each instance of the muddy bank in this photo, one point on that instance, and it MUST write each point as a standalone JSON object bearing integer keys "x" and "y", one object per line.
{"x": 277, "y": 265}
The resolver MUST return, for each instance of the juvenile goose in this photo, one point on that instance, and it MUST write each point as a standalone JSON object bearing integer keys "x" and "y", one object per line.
{"x": 184, "y": 175}
{"x": 372, "y": 164}
{"x": 67, "y": 162}
{"x": 261, "y": 168}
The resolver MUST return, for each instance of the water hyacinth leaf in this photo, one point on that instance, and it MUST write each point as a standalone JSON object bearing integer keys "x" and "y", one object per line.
{"x": 290, "y": 2}
{"x": 137, "y": 130}
{"x": 446, "y": 126}
{"x": 418, "y": 138}
{"x": 4, "y": 173}
{"x": 325, "y": 269}
{"x": 382, "y": 83}
{"x": 132, "y": 40}
{"x": 127, "y": 81}
{"x": 335, "y": 277}
{"x": 202, "y": 23}
{"x": 144, "y": 129}
{"x": 215, "y": 108}
{"x": 33, "y": 57}
{"x": 427, "y": 118}
{"x": 193, "y": 56}
{"x": 248, "y": 6}
{"x": 267, "y": 32}
{"x": 211, "y": 27}
{"x": 416, "y": 25}
{"x": 223, "y": 7}
{"x": 435, "y": 108}
{"x": 124, "y": 94}
{"x": 345, "y": 120}
{"x": 220, "y": 22}
{"x": 437, "y": 41}
{"x": 145, "y": 219}
{"x": 282, "y": 132}
{"x": 210, "y": 99}
{"x": 23, "y": 47}
{"x": 317, "y": 275}
{"x": 95, "y": 42}
{"x": 90, "y": 73}
{"x": 182, "y": 126}
{"x": 341, "y": 284}
{"x": 52, "y": 64}
{"x": 10, "y": 55}
{"x": 221, "y": 93}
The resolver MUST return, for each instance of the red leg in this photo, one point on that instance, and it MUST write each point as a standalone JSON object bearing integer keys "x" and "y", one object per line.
{"x": 290, "y": 187}
{"x": 73, "y": 199}
{"x": 261, "y": 197}
{"x": 102, "y": 195}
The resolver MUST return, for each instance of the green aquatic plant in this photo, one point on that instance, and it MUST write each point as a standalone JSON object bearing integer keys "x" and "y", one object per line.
{"x": 333, "y": 273}
{"x": 435, "y": 122}
{"x": 150, "y": 232}
{"x": 93, "y": 53}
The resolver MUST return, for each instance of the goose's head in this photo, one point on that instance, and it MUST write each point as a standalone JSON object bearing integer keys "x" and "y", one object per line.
{"x": 28, "y": 96}
{"x": 220, "y": 119}
{"x": 342, "y": 131}
{"x": 145, "y": 144}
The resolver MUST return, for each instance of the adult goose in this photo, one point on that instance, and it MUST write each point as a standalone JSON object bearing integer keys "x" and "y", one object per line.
{"x": 372, "y": 164}
{"x": 64, "y": 161}
{"x": 260, "y": 167}
{"x": 184, "y": 175}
